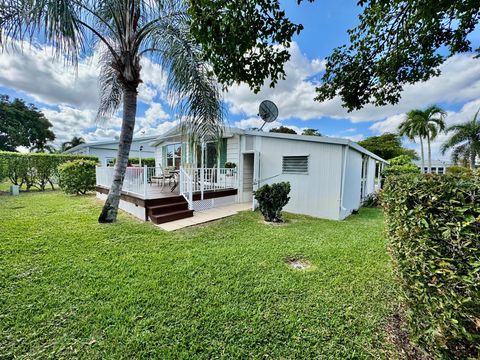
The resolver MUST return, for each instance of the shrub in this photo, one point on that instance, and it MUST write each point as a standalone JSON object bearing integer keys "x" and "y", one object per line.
{"x": 271, "y": 200}
{"x": 459, "y": 170}
{"x": 230, "y": 165}
{"x": 77, "y": 176}
{"x": 34, "y": 169}
{"x": 150, "y": 162}
{"x": 433, "y": 226}
{"x": 372, "y": 200}
{"x": 401, "y": 165}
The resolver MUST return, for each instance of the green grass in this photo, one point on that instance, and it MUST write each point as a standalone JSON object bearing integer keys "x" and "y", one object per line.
{"x": 70, "y": 287}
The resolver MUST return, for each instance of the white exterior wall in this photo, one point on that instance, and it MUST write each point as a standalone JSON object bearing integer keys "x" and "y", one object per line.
{"x": 352, "y": 187}
{"x": 316, "y": 194}
{"x": 371, "y": 176}
{"x": 110, "y": 151}
{"x": 233, "y": 150}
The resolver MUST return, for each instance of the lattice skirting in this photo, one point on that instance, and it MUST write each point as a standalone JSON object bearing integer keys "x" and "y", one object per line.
{"x": 200, "y": 205}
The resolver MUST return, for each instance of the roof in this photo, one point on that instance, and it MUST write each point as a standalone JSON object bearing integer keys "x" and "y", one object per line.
{"x": 229, "y": 131}
{"x": 435, "y": 163}
{"x": 109, "y": 142}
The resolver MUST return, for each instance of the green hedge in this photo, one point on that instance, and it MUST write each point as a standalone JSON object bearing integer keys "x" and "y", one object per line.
{"x": 433, "y": 226}
{"x": 271, "y": 200}
{"x": 150, "y": 162}
{"x": 34, "y": 169}
{"x": 77, "y": 176}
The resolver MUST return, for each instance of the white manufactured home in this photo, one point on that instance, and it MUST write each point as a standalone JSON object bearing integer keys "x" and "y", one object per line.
{"x": 106, "y": 151}
{"x": 329, "y": 177}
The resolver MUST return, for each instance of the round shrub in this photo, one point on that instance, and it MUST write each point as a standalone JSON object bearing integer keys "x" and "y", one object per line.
{"x": 78, "y": 176}
{"x": 271, "y": 200}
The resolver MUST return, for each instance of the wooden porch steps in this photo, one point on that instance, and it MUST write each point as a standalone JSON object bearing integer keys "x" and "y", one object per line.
{"x": 168, "y": 209}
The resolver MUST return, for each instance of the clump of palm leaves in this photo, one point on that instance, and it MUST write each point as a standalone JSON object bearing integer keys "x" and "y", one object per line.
{"x": 465, "y": 142}
{"x": 424, "y": 125}
{"x": 124, "y": 31}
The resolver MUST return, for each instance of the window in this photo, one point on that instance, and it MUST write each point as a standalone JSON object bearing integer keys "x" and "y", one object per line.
{"x": 295, "y": 164}
{"x": 440, "y": 171}
{"x": 174, "y": 155}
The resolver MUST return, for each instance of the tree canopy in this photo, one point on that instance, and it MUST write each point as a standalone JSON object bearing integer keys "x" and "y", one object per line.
{"x": 311, "y": 132}
{"x": 387, "y": 146}
{"x": 244, "y": 41}
{"x": 23, "y": 125}
{"x": 283, "y": 130}
{"x": 397, "y": 42}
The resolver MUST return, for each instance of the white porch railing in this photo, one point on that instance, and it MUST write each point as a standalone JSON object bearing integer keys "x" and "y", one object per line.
{"x": 136, "y": 180}
{"x": 139, "y": 180}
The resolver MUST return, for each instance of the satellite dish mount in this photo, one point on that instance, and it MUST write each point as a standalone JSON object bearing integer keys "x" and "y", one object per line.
{"x": 268, "y": 111}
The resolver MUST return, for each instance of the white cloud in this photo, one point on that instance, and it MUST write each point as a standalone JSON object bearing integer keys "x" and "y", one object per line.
{"x": 294, "y": 96}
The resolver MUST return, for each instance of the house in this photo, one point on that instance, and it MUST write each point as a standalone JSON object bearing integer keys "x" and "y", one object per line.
{"x": 106, "y": 151}
{"x": 329, "y": 177}
{"x": 438, "y": 166}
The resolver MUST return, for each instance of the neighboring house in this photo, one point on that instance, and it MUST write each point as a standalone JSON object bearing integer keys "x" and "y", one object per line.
{"x": 106, "y": 151}
{"x": 329, "y": 177}
{"x": 438, "y": 166}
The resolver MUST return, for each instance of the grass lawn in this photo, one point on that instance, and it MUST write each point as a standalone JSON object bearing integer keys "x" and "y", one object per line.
{"x": 70, "y": 287}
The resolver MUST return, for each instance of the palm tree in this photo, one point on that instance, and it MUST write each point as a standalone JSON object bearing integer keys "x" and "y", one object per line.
{"x": 76, "y": 140}
{"x": 426, "y": 124}
{"x": 124, "y": 31}
{"x": 465, "y": 141}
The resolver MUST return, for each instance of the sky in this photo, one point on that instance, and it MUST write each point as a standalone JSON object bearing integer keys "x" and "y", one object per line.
{"x": 69, "y": 98}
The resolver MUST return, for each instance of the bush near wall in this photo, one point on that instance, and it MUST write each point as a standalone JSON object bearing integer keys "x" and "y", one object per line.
{"x": 271, "y": 200}
{"x": 433, "y": 226}
{"x": 150, "y": 162}
{"x": 35, "y": 169}
{"x": 77, "y": 176}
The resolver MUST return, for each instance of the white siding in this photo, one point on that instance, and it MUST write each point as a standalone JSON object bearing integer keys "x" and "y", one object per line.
{"x": 233, "y": 150}
{"x": 352, "y": 189}
{"x": 318, "y": 192}
{"x": 371, "y": 176}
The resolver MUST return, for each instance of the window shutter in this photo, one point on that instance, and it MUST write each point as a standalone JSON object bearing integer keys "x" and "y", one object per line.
{"x": 223, "y": 153}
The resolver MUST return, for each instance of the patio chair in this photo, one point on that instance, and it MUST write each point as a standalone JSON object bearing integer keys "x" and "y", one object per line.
{"x": 167, "y": 174}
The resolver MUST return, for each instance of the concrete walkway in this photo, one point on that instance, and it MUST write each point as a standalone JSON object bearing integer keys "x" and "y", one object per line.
{"x": 200, "y": 217}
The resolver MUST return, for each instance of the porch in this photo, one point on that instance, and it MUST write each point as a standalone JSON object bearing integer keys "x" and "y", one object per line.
{"x": 162, "y": 195}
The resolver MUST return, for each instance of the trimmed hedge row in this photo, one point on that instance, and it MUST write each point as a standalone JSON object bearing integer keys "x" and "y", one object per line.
{"x": 34, "y": 169}
{"x": 433, "y": 226}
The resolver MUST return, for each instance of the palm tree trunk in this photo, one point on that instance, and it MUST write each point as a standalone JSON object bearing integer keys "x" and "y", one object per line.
{"x": 422, "y": 154}
{"x": 429, "y": 155}
{"x": 110, "y": 208}
{"x": 473, "y": 155}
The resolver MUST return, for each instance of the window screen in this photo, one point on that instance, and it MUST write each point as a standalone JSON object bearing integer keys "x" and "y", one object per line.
{"x": 295, "y": 164}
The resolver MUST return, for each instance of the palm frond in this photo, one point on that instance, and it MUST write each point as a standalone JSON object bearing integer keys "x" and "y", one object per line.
{"x": 111, "y": 92}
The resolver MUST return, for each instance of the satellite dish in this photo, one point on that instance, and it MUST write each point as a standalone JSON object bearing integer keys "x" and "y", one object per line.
{"x": 268, "y": 111}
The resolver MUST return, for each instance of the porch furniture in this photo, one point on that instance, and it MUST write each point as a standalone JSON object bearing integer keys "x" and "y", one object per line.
{"x": 174, "y": 174}
{"x": 164, "y": 176}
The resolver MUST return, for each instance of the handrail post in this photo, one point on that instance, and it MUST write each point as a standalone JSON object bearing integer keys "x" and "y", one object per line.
{"x": 202, "y": 181}
{"x": 145, "y": 181}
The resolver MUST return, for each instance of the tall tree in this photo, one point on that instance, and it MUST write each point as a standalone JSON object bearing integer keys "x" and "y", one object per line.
{"x": 126, "y": 31}
{"x": 283, "y": 130}
{"x": 426, "y": 124}
{"x": 465, "y": 141}
{"x": 76, "y": 140}
{"x": 387, "y": 146}
{"x": 23, "y": 125}
{"x": 245, "y": 41}
{"x": 397, "y": 42}
{"x": 311, "y": 132}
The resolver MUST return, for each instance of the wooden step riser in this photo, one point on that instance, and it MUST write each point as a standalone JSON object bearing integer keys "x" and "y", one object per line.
{"x": 171, "y": 217}
{"x": 165, "y": 209}
{"x": 164, "y": 201}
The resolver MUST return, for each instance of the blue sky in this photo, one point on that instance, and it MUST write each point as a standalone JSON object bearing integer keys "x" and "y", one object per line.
{"x": 70, "y": 99}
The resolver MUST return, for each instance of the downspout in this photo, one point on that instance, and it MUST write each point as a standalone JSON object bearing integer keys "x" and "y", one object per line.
{"x": 344, "y": 170}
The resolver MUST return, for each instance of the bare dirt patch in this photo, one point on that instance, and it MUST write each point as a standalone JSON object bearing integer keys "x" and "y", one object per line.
{"x": 298, "y": 263}
{"x": 397, "y": 335}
